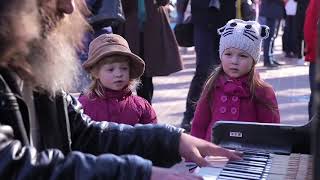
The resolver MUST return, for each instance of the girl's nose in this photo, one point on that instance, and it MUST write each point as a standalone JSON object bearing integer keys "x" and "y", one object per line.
{"x": 66, "y": 6}
{"x": 235, "y": 60}
{"x": 118, "y": 73}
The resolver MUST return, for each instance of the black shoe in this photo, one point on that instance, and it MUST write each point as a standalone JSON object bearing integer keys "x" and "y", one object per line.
{"x": 270, "y": 65}
{"x": 277, "y": 63}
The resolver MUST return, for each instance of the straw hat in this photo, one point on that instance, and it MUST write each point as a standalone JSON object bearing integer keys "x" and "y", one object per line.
{"x": 113, "y": 44}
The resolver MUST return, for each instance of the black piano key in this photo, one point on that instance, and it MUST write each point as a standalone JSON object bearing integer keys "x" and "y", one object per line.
{"x": 249, "y": 163}
{"x": 246, "y": 167}
{"x": 255, "y": 159}
{"x": 240, "y": 175}
{"x": 257, "y": 153}
{"x": 242, "y": 170}
{"x": 230, "y": 178}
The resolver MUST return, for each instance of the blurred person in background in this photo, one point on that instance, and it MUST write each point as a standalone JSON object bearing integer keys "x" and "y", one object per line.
{"x": 300, "y": 18}
{"x": 148, "y": 32}
{"x": 289, "y": 37}
{"x": 270, "y": 13}
{"x": 207, "y": 17}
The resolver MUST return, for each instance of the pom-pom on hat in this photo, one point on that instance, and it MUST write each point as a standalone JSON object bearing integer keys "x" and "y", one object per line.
{"x": 244, "y": 35}
{"x": 113, "y": 44}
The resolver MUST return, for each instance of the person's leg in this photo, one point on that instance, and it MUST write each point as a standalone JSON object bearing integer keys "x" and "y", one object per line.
{"x": 267, "y": 43}
{"x": 206, "y": 47}
{"x": 299, "y": 34}
{"x": 293, "y": 36}
{"x": 312, "y": 72}
{"x": 145, "y": 89}
{"x": 276, "y": 26}
{"x": 285, "y": 37}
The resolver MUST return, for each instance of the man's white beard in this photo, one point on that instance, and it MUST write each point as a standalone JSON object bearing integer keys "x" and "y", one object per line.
{"x": 54, "y": 61}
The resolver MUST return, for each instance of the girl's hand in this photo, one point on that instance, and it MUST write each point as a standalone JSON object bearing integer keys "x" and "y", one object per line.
{"x": 164, "y": 173}
{"x": 195, "y": 149}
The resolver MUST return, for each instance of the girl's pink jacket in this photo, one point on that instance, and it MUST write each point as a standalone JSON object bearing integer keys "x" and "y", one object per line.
{"x": 232, "y": 101}
{"x": 120, "y": 107}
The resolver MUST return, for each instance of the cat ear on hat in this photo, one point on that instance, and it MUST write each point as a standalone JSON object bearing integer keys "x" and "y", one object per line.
{"x": 264, "y": 32}
{"x": 220, "y": 30}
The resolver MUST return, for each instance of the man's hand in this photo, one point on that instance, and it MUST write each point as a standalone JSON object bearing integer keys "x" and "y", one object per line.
{"x": 170, "y": 174}
{"x": 195, "y": 149}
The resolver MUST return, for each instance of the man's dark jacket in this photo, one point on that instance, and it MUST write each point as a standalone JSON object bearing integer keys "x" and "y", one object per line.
{"x": 71, "y": 145}
{"x": 272, "y": 9}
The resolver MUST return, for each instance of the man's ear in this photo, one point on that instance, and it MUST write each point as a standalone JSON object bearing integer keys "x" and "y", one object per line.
{"x": 264, "y": 31}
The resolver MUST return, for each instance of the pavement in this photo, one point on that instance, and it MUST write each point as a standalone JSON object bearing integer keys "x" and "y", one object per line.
{"x": 290, "y": 82}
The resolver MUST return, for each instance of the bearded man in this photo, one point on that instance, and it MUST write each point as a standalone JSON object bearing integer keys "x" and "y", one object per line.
{"x": 43, "y": 132}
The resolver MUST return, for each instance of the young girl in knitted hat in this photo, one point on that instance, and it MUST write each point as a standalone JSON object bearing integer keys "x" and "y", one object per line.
{"x": 114, "y": 70}
{"x": 234, "y": 91}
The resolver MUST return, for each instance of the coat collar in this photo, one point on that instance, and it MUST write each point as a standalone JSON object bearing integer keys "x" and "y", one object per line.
{"x": 234, "y": 86}
{"x": 113, "y": 94}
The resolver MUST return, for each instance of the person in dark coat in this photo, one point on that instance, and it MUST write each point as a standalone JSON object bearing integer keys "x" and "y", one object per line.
{"x": 207, "y": 17}
{"x": 150, "y": 36}
{"x": 300, "y": 17}
{"x": 271, "y": 12}
{"x": 43, "y": 131}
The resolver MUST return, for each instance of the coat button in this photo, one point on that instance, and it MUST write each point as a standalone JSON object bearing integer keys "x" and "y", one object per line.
{"x": 235, "y": 98}
{"x": 223, "y": 109}
{"x": 223, "y": 98}
{"x": 233, "y": 110}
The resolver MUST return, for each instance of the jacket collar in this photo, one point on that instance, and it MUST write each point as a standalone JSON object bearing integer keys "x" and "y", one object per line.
{"x": 113, "y": 94}
{"x": 234, "y": 86}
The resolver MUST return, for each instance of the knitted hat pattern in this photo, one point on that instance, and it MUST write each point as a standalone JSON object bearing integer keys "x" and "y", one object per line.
{"x": 244, "y": 35}
{"x": 112, "y": 44}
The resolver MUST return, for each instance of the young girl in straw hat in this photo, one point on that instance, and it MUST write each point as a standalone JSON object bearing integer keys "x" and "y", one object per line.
{"x": 114, "y": 70}
{"x": 234, "y": 91}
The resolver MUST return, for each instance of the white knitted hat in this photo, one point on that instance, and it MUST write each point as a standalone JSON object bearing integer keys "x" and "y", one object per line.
{"x": 244, "y": 35}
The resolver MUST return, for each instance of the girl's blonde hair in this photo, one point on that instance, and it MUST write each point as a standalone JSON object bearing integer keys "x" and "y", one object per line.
{"x": 253, "y": 80}
{"x": 96, "y": 89}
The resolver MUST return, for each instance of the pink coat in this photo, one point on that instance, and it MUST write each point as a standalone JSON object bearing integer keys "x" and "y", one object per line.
{"x": 232, "y": 101}
{"x": 120, "y": 107}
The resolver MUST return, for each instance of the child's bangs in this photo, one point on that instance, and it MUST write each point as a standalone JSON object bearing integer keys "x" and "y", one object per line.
{"x": 114, "y": 59}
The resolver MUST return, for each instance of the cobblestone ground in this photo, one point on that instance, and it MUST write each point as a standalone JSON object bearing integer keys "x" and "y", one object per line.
{"x": 290, "y": 82}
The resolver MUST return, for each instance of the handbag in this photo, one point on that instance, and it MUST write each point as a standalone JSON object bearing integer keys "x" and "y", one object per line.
{"x": 106, "y": 13}
{"x": 184, "y": 33}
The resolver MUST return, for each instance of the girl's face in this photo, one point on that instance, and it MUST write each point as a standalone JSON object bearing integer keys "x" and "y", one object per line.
{"x": 114, "y": 75}
{"x": 236, "y": 62}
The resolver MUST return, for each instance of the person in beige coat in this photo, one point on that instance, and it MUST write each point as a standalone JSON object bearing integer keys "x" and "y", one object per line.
{"x": 149, "y": 35}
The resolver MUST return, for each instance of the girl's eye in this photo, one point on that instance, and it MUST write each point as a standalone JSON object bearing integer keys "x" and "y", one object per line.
{"x": 124, "y": 68}
{"x": 243, "y": 56}
{"x": 227, "y": 54}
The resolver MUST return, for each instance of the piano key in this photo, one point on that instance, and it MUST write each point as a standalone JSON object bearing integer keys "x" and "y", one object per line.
{"x": 240, "y": 175}
{"x": 243, "y": 170}
{"x": 209, "y": 173}
{"x": 249, "y": 163}
{"x": 255, "y": 159}
{"x": 257, "y": 153}
{"x": 230, "y": 178}
{"x": 245, "y": 167}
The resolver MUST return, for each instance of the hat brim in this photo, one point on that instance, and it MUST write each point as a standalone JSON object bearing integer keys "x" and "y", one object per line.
{"x": 137, "y": 65}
